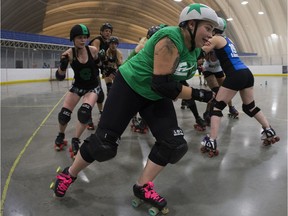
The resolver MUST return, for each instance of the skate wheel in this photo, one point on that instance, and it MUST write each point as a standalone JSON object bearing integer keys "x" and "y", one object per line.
{"x": 52, "y": 185}
{"x": 203, "y": 149}
{"x": 59, "y": 170}
{"x": 165, "y": 210}
{"x": 213, "y": 153}
{"x": 153, "y": 211}
{"x": 136, "y": 202}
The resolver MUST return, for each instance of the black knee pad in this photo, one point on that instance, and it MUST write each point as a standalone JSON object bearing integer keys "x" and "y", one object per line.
{"x": 100, "y": 147}
{"x": 219, "y": 104}
{"x": 64, "y": 116}
{"x": 247, "y": 107}
{"x": 170, "y": 150}
{"x": 84, "y": 113}
{"x": 101, "y": 96}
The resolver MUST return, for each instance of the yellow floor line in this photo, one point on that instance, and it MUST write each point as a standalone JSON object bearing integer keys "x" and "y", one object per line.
{"x": 6, "y": 186}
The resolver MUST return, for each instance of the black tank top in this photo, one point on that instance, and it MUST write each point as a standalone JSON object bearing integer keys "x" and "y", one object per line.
{"x": 103, "y": 44}
{"x": 85, "y": 75}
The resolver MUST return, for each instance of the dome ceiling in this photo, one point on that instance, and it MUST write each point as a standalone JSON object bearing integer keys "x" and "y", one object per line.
{"x": 130, "y": 19}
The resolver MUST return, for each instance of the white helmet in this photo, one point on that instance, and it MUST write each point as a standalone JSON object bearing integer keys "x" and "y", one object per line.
{"x": 222, "y": 24}
{"x": 198, "y": 12}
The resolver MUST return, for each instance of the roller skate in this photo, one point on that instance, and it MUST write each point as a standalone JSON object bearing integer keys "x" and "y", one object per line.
{"x": 60, "y": 142}
{"x": 90, "y": 125}
{"x": 233, "y": 113}
{"x": 200, "y": 124}
{"x": 210, "y": 146}
{"x": 142, "y": 126}
{"x": 139, "y": 125}
{"x": 207, "y": 118}
{"x": 75, "y": 142}
{"x": 62, "y": 183}
{"x": 269, "y": 136}
{"x": 146, "y": 194}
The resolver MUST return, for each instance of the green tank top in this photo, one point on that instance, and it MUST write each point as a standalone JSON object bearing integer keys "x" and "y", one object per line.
{"x": 138, "y": 71}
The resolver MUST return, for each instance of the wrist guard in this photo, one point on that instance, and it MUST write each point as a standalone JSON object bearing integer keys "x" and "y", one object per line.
{"x": 202, "y": 95}
{"x": 64, "y": 63}
{"x": 59, "y": 76}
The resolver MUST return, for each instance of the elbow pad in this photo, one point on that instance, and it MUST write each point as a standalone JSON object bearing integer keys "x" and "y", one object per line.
{"x": 64, "y": 63}
{"x": 59, "y": 76}
{"x": 165, "y": 86}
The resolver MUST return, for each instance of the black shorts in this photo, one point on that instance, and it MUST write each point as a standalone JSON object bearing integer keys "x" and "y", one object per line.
{"x": 239, "y": 80}
{"x": 218, "y": 75}
{"x": 80, "y": 92}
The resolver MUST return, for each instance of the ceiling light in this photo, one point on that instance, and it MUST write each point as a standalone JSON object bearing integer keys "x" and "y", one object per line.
{"x": 229, "y": 19}
{"x": 273, "y": 35}
{"x": 260, "y": 12}
{"x": 244, "y": 2}
{"x": 177, "y": 0}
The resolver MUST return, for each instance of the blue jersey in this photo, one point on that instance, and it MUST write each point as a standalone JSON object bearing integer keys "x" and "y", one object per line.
{"x": 229, "y": 59}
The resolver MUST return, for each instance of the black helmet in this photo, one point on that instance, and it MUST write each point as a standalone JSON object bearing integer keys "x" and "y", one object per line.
{"x": 154, "y": 29}
{"x": 77, "y": 30}
{"x": 114, "y": 39}
{"x": 106, "y": 26}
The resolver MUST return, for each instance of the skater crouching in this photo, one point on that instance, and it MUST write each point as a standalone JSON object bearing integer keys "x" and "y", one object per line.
{"x": 148, "y": 83}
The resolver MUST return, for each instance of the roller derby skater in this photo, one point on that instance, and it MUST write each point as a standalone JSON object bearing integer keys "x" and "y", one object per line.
{"x": 209, "y": 146}
{"x": 233, "y": 113}
{"x": 62, "y": 183}
{"x": 85, "y": 85}
{"x": 147, "y": 194}
{"x": 150, "y": 87}
{"x": 269, "y": 136}
{"x": 60, "y": 142}
{"x": 240, "y": 79}
{"x": 75, "y": 143}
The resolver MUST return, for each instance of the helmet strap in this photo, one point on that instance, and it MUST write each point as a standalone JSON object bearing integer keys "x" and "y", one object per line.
{"x": 192, "y": 35}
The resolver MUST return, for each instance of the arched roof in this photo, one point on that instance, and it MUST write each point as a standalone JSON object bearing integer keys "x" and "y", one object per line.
{"x": 130, "y": 19}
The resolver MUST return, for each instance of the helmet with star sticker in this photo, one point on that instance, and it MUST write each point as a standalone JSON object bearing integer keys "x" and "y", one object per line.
{"x": 198, "y": 12}
{"x": 222, "y": 24}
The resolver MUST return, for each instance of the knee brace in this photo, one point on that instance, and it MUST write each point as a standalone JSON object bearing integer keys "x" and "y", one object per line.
{"x": 220, "y": 105}
{"x": 99, "y": 146}
{"x": 100, "y": 97}
{"x": 64, "y": 116}
{"x": 84, "y": 113}
{"x": 169, "y": 151}
{"x": 247, "y": 107}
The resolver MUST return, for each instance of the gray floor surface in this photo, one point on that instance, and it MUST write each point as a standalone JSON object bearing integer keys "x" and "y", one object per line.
{"x": 246, "y": 179}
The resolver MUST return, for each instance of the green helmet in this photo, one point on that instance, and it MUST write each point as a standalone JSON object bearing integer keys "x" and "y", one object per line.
{"x": 222, "y": 24}
{"x": 77, "y": 30}
{"x": 198, "y": 12}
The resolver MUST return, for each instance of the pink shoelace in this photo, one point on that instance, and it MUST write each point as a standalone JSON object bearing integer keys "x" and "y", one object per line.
{"x": 150, "y": 193}
{"x": 65, "y": 181}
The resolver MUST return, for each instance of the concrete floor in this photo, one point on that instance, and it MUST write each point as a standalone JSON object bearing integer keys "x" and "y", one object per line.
{"x": 246, "y": 179}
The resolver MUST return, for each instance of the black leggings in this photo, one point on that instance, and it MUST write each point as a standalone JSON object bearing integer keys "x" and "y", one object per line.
{"x": 123, "y": 103}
